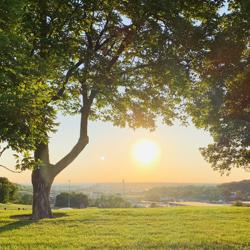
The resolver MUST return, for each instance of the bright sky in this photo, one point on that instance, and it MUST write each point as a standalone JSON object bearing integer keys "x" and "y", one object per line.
{"x": 111, "y": 155}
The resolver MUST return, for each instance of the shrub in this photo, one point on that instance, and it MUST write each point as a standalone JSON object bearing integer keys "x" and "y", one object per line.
{"x": 7, "y": 190}
{"x": 74, "y": 200}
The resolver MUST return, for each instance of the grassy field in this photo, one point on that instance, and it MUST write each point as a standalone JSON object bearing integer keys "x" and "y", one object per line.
{"x": 10, "y": 206}
{"x": 151, "y": 228}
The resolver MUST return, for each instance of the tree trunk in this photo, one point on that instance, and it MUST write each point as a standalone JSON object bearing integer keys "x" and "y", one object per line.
{"x": 42, "y": 179}
{"x": 41, "y": 192}
{"x": 43, "y": 175}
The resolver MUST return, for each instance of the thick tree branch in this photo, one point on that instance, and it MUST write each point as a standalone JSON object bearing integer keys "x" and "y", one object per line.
{"x": 119, "y": 51}
{"x": 90, "y": 41}
{"x": 42, "y": 153}
{"x": 67, "y": 76}
{"x": 83, "y": 138}
{"x": 130, "y": 31}
{"x": 87, "y": 102}
{"x": 99, "y": 44}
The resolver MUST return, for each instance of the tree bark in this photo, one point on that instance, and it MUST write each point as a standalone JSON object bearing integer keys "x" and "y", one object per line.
{"x": 42, "y": 179}
{"x": 41, "y": 192}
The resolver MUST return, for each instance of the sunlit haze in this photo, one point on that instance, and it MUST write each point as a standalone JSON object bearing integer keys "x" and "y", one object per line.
{"x": 171, "y": 155}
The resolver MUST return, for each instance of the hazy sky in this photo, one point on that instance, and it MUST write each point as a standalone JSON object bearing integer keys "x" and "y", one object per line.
{"x": 108, "y": 157}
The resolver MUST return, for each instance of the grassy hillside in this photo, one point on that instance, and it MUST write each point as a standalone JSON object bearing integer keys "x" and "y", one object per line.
{"x": 10, "y": 206}
{"x": 155, "y": 228}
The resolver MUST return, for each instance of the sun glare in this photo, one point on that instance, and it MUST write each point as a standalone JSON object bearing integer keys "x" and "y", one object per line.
{"x": 145, "y": 151}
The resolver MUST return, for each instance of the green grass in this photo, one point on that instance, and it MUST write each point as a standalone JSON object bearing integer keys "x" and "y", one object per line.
{"x": 152, "y": 228}
{"x": 10, "y": 206}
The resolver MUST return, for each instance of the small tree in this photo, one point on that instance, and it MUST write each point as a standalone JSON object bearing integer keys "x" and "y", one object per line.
{"x": 77, "y": 200}
{"x": 62, "y": 199}
{"x": 111, "y": 201}
{"x": 7, "y": 190}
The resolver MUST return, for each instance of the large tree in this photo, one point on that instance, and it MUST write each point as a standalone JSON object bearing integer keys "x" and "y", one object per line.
{"x": 127, "y": 62}
{"x": 219, "y": 99}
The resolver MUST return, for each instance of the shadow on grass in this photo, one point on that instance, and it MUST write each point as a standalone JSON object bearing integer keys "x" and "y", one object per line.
{"x": 15, "y": 225}
{"x": 24, "y": 220}
{"x": 28, "y": 216}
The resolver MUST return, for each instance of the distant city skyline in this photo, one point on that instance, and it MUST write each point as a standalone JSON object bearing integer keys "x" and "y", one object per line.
{"x": 109, "y": 158}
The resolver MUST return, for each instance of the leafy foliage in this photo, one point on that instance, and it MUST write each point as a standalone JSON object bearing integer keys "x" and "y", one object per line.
{"x": 25, "y": 114}
{"x": 220, "y": 93}
{"x": 111, "y": 201}
{"x": 75, "y": 200}
{"x": 24, "y": 198}
{"x": 128, "y": 60}
{"x": 7, "y": 190}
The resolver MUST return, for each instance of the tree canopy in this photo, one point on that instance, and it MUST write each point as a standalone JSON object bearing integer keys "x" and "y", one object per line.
{"x": 220, "y": 98}
{"x": 129, "y": 61}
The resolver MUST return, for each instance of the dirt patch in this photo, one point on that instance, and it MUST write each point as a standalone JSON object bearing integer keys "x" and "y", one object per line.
{"x": 28, "y": 216}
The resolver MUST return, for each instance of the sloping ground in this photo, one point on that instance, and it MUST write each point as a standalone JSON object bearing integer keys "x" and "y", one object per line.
{"x": 151, "y": 228}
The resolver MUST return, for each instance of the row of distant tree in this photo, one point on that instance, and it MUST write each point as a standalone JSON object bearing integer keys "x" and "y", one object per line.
{"x": 79, "y": 200}
{"x": 224, "y": 192}
{"x": 10, "y": 192}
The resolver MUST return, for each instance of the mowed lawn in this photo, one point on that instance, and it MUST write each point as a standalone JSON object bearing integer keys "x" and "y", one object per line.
{"x": 151, "y": 228}
{"x": 10, "y": 206}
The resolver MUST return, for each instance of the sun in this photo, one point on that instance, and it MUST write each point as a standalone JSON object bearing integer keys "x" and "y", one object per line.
{"x": 145, "y": 151}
